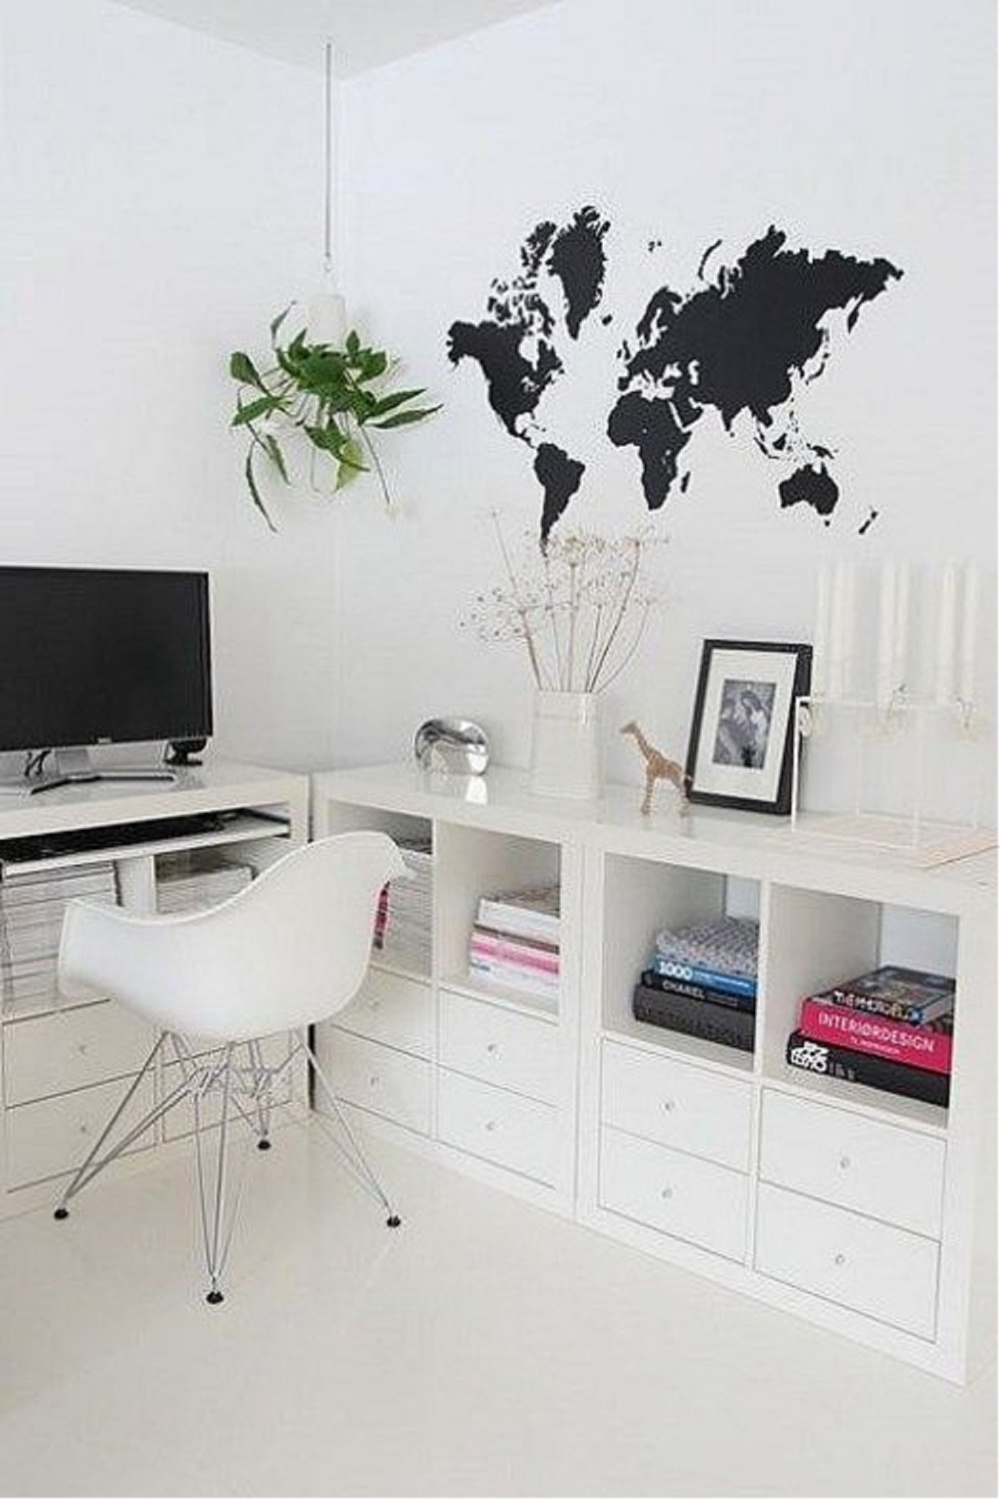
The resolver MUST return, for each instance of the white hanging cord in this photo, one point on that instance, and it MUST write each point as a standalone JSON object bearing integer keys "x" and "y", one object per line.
{"x": 328, "y": 197}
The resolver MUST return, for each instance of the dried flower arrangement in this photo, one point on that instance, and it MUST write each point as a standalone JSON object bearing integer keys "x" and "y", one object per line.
{"x": 580, "y": 606}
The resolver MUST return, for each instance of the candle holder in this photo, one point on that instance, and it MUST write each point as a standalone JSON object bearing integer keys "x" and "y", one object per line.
{"x": 903, "y": 774}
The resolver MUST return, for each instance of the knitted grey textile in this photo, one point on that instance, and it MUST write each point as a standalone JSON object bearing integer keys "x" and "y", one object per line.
{"x": 728, "y": 944}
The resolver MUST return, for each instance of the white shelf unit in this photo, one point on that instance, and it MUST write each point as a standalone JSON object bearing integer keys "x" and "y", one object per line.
{"x": 65, "y": 1067}
{"x": 480, "y": 1073}
{"x": 865, "y": 1212}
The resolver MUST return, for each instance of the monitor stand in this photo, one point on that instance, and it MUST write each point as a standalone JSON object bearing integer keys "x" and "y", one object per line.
{"x": 73, "y": 767}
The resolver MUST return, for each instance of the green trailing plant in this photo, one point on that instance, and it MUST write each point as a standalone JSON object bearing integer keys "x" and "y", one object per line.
{"x": 332, "y": 397}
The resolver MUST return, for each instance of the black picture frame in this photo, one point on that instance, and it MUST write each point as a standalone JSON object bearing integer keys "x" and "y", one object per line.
{"x": 740, "y": 748}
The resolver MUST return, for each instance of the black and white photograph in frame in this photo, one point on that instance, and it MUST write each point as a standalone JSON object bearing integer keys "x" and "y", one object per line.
{"x": 740, "y": 751}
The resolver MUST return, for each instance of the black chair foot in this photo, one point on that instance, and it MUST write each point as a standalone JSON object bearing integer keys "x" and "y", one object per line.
{"x": 215, "y": 1298}
{"x": 393, "y": 1221}
{"x": 264, "y": 1144}
{"x": 61, "y": 1213}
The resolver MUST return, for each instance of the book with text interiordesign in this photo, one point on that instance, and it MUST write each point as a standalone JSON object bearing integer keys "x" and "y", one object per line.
{"x": 910, "y": 995}
{"x": 532, "y": 912}
{"x": 735, "y": 999}
{"x": 926, "y": 1046}
{"x": 865, "y": 1068}
{"x": 698, "y": 1018}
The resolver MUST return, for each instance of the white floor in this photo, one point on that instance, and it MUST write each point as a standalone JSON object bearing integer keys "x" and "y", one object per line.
{"x": 484, "y": 1348}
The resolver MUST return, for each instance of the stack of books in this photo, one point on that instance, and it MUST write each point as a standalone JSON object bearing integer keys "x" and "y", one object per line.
{"x": 515, "y": 941}
{"x": 32, "y": 907}
{"x": 181, "y": 888}
{"x": 702, "y": 980}
{"x": 888, "y": 1029}
{"x": 403, "y": 918}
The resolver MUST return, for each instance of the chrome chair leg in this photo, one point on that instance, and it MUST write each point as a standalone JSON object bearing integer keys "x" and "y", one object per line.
{"x": 360, "y": 1161}
{"x": 262, "y": 1094}
{"x": 217, "y": 1224}
{"x": 94, "y": 1163}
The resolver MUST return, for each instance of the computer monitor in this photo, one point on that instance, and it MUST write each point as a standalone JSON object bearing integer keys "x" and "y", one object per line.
{"x": 95, "y": 656}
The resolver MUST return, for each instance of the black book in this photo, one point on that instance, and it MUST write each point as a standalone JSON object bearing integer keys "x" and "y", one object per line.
{"x": 651, "y": 980}
{"x": 864, "y": 1068}
{"x": 694, "y": 1017}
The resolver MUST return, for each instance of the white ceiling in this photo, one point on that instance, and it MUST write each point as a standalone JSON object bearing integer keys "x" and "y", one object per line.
{"x": 365, "y": 33}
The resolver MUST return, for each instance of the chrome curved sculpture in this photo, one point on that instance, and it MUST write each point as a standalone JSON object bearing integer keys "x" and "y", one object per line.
{"x": 456, "y": 746}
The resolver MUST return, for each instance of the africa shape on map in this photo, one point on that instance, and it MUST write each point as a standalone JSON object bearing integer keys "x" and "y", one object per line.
{"x": 743, "y": 342}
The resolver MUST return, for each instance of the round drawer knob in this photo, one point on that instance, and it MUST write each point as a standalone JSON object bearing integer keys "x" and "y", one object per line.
{"x": 493, "y": 1048}
{"x": 83, "y": 1130}
{"x": 83, "y": 1048}
{"x": 666, "y": 1192}
{"x": 374, "y": 1004}
{"x": 669, "y": 1105}
{"x": 490, "y": 1125}
{"x": 844, "y": 1163}
{"x": 839, "y": 1259}
{"x": 374, "y": 1081}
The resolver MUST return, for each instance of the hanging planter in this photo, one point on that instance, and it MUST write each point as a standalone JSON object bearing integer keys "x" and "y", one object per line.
{"x": 331, "y": 398}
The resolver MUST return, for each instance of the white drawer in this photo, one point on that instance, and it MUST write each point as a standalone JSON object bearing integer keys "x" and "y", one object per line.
{"x": 377, "y": 1078}
{"x": 393, "y": 1009}
{"x": 500, "y": 1046}
{"x": 508, "y": 1129}
{"x": 52, "y": 1054}
{"x": 693, "y": 1200}
{"x": 180, "y": 1120}
{"x": 884, "y": 1273}
{"x": 884, "y": 1170}
{"x": 677, "y": 1104}
{"x": 54, "y": 1135}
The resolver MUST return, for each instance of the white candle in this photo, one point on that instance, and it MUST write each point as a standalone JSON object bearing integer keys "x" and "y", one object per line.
{"x": 970, "y": 621}
{"x": 901, "y": 631}
{"x": 886, "y": 636}
{"x": 944, "y": 660}
{"x": 846, "y": 582}
{"x": 821, "y": 636}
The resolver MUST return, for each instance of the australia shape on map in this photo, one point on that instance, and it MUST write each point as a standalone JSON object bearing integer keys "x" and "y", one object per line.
{"x": 740, "y": 345}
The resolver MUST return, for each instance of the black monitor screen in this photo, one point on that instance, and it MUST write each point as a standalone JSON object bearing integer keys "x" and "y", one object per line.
{"x": 99, "y": 655}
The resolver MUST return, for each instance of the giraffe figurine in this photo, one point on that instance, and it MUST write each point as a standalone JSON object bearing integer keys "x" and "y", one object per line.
{"x": 659, "y": 767}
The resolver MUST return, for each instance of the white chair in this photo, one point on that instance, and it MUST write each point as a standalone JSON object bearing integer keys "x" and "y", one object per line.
{"x": 290, "y": 950}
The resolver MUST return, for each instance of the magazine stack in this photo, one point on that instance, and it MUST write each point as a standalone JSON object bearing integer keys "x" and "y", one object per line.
{"x": 403, "y": 919}
{"x": 515, "y": 941}
{"x": 181, "y": 888}
{"x": 702, "y": 980}
{"x": 32, "y": 907}
{"x": 888, "y": 1029}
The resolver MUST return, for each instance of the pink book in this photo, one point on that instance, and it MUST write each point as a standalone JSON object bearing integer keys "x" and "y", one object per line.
{"x": 920, "y": 1046}
{"x": 513, "y": 953}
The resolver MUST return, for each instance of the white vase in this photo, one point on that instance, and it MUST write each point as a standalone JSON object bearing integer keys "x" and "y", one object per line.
{"x": 565, "y": 748}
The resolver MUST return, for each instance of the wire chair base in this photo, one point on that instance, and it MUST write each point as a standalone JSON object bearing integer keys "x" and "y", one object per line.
{"x": 238, "y": 1075}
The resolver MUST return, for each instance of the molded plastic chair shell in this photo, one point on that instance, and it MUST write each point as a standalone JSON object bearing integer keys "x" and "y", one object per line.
{"x": 289, "y": 950}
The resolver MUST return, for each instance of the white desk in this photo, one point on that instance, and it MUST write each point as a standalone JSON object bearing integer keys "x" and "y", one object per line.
{"x": 64, "y": 1068}
{"x": 854, "y": 1208}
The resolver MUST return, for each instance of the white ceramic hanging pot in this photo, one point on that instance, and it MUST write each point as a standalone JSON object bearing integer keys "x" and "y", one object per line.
{"x": 565, "y": 750}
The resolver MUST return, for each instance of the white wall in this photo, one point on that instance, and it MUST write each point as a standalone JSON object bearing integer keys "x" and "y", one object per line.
{"x": 863, "y": 125}
{"x": 161, "y": 200}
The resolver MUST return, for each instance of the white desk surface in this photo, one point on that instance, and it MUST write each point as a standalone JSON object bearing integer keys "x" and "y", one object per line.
{"x": 210, "y": 787}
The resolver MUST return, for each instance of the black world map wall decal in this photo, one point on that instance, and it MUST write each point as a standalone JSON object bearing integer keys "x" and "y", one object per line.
{"x": 743, "y": 342}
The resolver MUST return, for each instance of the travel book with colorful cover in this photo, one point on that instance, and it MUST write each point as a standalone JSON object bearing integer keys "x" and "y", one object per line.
{"x": 910, "y": 995}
